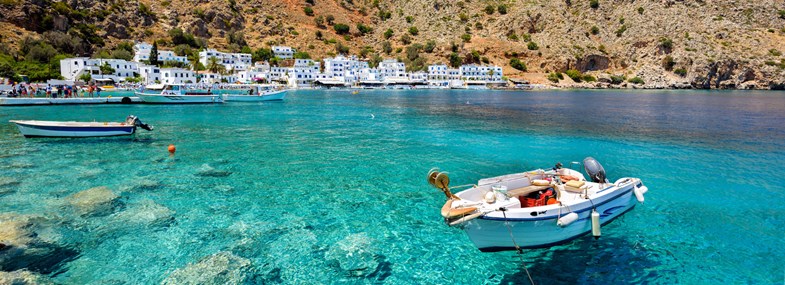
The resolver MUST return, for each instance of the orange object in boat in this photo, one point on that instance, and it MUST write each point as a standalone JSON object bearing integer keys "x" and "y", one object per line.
{"x": 566, "y": 178}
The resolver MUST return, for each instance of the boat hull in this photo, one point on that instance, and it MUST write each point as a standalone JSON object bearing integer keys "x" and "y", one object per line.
{"x": 179, "y": 99}
{"x": 73, "y": 131}
{"x": 537, "y": 228}
{"x": 274, "y": 96}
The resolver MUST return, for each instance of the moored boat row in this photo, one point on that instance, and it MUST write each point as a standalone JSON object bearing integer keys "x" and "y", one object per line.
{"x": 178, "y": 94}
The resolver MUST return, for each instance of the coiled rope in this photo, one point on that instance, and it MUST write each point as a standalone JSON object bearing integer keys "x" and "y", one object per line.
{"x": 517, "y": 248}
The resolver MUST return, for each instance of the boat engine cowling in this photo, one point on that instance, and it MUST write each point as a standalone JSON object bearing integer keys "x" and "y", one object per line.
{"x": 133, "y": 120}
{"x": 595, "y": 170}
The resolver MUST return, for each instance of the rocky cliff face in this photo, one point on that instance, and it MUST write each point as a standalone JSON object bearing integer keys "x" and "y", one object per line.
{"x": 667, "y": 43}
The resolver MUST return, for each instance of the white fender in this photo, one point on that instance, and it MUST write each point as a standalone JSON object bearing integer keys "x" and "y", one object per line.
{"x": 567, "y": 219}
{"x": 638, "y": 194}
{"x": 595, "y": 224}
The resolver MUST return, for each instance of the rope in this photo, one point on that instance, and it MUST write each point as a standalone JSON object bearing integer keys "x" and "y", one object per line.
{"x": 517, "y": 248}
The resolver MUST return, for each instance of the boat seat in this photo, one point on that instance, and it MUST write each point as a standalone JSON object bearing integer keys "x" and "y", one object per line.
{"x": 523, "y": 191}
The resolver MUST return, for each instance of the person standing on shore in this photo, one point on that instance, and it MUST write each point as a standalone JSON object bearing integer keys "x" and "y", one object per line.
{"x": 90, "y": 90}
{"x": 48, "y": 91}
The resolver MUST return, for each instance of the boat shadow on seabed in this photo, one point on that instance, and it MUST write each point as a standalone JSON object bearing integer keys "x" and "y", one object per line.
{"x": 610, "y": 260}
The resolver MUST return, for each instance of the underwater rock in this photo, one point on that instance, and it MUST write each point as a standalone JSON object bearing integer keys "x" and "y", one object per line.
{"x": 145, "y": 213}
{"x": 208, "y": 171}
{"x": 220, "y": 268}
{"x": 94, "y": 201}
{"x": 23, "y": 277}
{"x": 92, "y": 172}
{"x": 25, "y": 249}
{"x": 354, "y": 254}
{"x": 8, "y": 181}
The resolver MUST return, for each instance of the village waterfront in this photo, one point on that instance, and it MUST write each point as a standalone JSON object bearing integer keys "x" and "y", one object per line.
{"x": 329, "y": 187}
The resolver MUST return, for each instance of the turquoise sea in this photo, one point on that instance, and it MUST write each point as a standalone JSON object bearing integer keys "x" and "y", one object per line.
{"x": 329, "y": 188}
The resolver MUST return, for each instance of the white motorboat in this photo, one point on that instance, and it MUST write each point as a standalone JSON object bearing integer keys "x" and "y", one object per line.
{"x": 257, "y": 93}
{"x": 80, "y": 129}
{"x": 537, "y": 209}
{"x": 176, "y": 94}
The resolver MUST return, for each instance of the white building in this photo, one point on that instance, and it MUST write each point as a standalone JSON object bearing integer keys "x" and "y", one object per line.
{"x": 209, "y": 77}
{"x": 231, "y": 61}
{"x": 481, "y": 73}
{"x": 260, "y": 71}
{"x": 303, "y": 73}
{"x": 344, "y": 69}
{"x": 283, "y": 52}
{"x": 279, "y": 73}
{"x": 418, "y": 77}
{"x": 392, "y": 70}
{"x": 150, "y": 73}
{"x": 73, "y": 68}
{"x": 142, "y": 53}
{"x": 177, "y": 76}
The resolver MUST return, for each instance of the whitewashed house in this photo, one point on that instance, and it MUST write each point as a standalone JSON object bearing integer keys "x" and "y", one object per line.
{"x": 150, "y": 74}
{"x": 259, "y": 71}
{"x": 283, "y": 52}
{"x": 177, "y": 76}
{"x": 230, "y": 61}
{"x": 73, "y": 68}
{"x": 303, "y": 73}
{"x": 142, "y": 52}
{"x": 393, "y": 71}
{"x": 488, "y": 74}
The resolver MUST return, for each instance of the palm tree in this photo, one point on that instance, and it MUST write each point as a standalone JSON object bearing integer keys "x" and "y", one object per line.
{"x": 213, "y": 65}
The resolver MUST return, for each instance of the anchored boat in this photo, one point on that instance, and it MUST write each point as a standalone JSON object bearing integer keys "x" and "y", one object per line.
{"x": 80, "y": 129}
{"x": 257, "y": 93}
{"x": 539, "y": 208}
{"x": 176, "y": 94}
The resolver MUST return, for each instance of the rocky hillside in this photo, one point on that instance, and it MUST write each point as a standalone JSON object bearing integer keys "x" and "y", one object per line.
{"x": 664, "y": 43}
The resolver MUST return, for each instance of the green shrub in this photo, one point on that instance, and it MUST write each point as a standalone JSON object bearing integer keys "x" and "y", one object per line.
{"x": 512, "y": 37}
{"x": 466, "y": 37}
{"x": 576, "y": 75}
{"x": 301, "y": 55}
{"x": 555, "y": 77}
{"x": 617, "y": 79}
{"x": 406, "y": 39}
{"x": 589, "y": 78}
{"x": 430, "y": 45}
{"x": 636, "y": 80}
{"x": 666, "y": 43}
{"x": 775, "y": 52}
{"x": 532, "y": 46}
{"x": 455, "y": 60}
{"x": 463, "y": 17}
{"x": 502, "y": 9}
{"x": 594, "y": 4}
{"x": 595, "y": 30}
{"x": 518, "y": 64}
{"x": 680, "y": 72}
{"x": 781, "y": 13}
{"x": 341, "y": 29}
{"x": 330, "y": 19}
{"x": 489, "y": 9}
{"x": 388, "y": 34}
{"x": 386, "y": 47}
{"x": 668, "y": 63}
{"x": 414, "y": 31}
{"x": 363, "y": 28}
{"x": 384, "y": 15}
{"x": 318, "y": 35}
{"x": 640, "y": 10}
{"x": 409, "y": 19}
{"x": 621, "y": 30}
{"x": 308, "y": 10}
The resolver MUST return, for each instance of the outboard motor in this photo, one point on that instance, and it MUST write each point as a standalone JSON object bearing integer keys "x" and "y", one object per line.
{"x": 595, "y": 170}
{"x": 133, "y": 120}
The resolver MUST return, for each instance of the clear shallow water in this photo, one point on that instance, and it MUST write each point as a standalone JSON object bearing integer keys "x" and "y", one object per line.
{"x": 317, "y": 191}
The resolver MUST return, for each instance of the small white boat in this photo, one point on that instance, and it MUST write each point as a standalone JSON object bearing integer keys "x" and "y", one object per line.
{"x": 539, "y": 208}
{"x": 257, "y": 93}
{"x": 176, "y": 94}
{"x": 80, "y": 129}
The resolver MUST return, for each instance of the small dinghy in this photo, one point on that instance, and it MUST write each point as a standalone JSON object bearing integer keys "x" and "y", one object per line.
{"x": 80, "y": 129}
{"x": 537, "y": 209}
{"x": 257, "y": 93}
